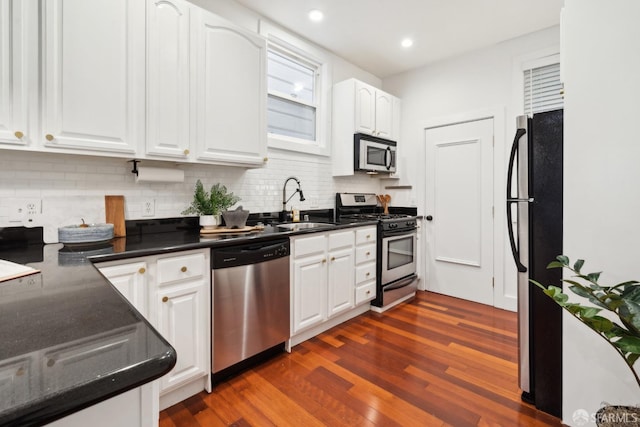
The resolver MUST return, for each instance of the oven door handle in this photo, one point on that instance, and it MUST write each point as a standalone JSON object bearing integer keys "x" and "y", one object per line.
{"x": 400, "y": 283}
{"x": 399, "y": 233}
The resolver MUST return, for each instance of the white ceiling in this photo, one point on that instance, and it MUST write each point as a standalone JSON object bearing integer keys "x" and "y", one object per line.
{"x": 368, "y": 32}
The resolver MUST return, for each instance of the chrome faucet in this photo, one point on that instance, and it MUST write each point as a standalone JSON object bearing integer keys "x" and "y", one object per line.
{"x": 284, "y": 194}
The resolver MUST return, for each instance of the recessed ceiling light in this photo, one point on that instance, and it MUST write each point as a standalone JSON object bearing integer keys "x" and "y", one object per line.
{"x": 316, "y": 15}
{"x": 406, "y": 42}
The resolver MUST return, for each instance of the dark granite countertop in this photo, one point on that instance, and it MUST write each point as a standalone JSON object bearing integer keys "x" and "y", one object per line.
{"x": 69, "y": 340}
{"x": 59, "y": 325}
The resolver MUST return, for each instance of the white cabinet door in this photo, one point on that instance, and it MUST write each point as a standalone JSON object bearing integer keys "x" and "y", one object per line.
{"x": 384, "y": 115}
{"x": 340, "y": 281}
{"x": 168, "y": 108}
{"x": 93, "y": 75}
{"x": 310, "y": 291}
{"x": 131, "y": 281}
{"x": 230, "y": 91}
{"x": 18, "y": 38}
{"x": 183, "y": 323}
{"x": 365, "y": 97}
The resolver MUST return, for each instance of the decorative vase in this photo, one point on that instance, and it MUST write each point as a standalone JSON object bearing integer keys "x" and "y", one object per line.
{"x": 209, "y": 221}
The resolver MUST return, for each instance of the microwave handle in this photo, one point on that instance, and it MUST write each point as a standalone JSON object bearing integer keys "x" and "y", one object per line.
{"x": 388, "y": 158}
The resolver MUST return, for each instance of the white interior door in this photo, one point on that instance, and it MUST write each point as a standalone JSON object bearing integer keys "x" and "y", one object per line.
{"x": 459, "y": 210}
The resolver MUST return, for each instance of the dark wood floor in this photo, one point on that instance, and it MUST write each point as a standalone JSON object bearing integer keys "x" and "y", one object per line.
{"x": 436, "y": 361}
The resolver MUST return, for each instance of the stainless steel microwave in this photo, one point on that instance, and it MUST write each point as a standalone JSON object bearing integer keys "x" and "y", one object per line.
{"x": 372, "y": 154}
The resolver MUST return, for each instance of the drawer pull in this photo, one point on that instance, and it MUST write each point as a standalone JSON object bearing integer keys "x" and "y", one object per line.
{"x": 186, "y": 152}
{"x": 368, "y": 292}
{"x": 142, "y": 270}
{"x": 183, "y": 269}
{"x": 165, "y": 299}
{"x": 333, "y": 258}
{"x": 51, "y": 362}
{"x": 368, "y": 253}
{"x": 49, "y": 137}
{"x": 19, "y": 134}
{"x": 368, "y": 236}
{"x": 368, "y": 274}
{"x": 20, "y": 372}
{"x": 324, "y": 260}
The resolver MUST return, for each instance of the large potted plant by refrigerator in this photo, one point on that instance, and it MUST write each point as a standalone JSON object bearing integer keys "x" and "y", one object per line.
{"x": 613, "y": 312}
{"x": 210, "y": 204}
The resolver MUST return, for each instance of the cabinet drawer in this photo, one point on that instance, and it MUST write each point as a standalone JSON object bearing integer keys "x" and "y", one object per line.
{"x": 340, "y": 239}
{"x": 309, "y": 245}
{"x": 365, "y": 272}
{"x": 365, "y": 253}
{"x": 366, "y": 292}
{"x": 366, "y": 235}
{"x": 181, "y": 268}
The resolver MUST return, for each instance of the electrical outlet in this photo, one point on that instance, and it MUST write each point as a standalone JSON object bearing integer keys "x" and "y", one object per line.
{"x": 24, "y": 210}
{"x": 149, "y": 207}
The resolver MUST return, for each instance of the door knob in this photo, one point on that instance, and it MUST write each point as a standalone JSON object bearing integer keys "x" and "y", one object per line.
{"x": 429, "y": 218}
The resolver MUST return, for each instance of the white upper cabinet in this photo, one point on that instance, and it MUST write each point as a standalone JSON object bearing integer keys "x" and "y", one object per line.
{"x": 18, "y": 35}
{"x": 168, "y": 77}
{"x": 93, "y": 74}
{"x": 360, "y": 108}
{"x": 230, "y": 91}
{"x": 373, "y": 111}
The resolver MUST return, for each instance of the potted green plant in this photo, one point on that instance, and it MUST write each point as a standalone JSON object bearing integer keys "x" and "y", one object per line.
{"x": 622, "y": 301}
{"x": 209, "y": 204}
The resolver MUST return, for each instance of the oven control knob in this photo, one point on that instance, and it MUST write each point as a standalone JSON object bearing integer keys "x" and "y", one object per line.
{"x": 411, "y": 223}
{"x": 429, "y": 218}
{"x": 393, "y": 225}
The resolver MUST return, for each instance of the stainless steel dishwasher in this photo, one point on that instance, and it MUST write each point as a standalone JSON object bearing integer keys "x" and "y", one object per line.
{"x": 250, "y": 304}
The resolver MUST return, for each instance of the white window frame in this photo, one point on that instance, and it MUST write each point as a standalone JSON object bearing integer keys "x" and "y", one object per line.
{"x": 283, "y": 42}
{"x": 540, "y": 58}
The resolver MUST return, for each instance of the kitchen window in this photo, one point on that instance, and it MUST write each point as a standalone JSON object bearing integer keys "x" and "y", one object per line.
{"x": 542, "y": 85}
{"x": 297, "y": 82}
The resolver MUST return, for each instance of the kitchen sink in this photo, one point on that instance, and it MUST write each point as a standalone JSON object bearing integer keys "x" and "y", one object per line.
{"x": 295, "y": 226}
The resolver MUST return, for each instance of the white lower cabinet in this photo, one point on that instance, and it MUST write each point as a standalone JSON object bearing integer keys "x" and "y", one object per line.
{"x": 172, "y": 291}
{"x": 324, "y": 279}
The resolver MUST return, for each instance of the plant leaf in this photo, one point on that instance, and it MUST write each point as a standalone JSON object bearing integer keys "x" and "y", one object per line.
{"x": 628, "y": 344}
{"x": 564, "y": 260}
{"x": 578, "y": 265}
{"x": 555, "y": 264}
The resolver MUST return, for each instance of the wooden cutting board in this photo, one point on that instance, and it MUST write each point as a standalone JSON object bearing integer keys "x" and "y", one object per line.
{"x": 114, "y": 212}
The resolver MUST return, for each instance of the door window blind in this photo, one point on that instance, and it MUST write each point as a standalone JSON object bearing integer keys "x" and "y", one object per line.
{"x": 542, "y": 89}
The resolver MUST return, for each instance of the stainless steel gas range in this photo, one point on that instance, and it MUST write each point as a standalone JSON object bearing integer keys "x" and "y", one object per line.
{"x": 396, "y": 245}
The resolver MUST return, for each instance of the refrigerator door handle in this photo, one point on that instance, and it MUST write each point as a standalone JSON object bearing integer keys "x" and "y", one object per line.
{"x": 514, "y": 247}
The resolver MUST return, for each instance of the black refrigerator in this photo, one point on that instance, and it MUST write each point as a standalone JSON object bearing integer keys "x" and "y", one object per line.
{"x": 534, "y": 195}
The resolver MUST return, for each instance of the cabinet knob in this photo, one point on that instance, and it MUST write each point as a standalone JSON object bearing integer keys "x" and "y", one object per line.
{"x": 333, "y": 258}
{"x": 18, "y": 134}
{"x": 266, "y": 159}
{"x": 368, "y": 292}
{"x": 51, "y": 362}
{"x": 368, "y": 253}
{"x": 183, "y": 269}
{"x": 186, "y": 152}
{"x": 20, "y": 372}
{"x": 324, "y": 260}
{"x": 142, "y": 270}
{"x": 368, "y": 274}
{"x": 368, "y": 236}
{"x": 165, "y": 299}
{"x": 49, "y": 137}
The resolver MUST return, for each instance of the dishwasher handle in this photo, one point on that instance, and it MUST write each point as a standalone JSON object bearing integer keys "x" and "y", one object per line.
{"x": 250, "y": 253}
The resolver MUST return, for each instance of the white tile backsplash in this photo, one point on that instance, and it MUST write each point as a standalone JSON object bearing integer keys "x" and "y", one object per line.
{"x": 72, "y": 187}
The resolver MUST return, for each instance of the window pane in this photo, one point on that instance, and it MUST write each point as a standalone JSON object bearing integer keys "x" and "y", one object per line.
{"x": 290, "y": 77}
{"x": 290, "y": 118}
{"x": 542, "y": 89}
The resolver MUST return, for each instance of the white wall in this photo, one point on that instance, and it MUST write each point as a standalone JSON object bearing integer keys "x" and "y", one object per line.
{"x": 73, "y": 186}
{"x": 480, "y": 80}
{"x": 601, "y": 65}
